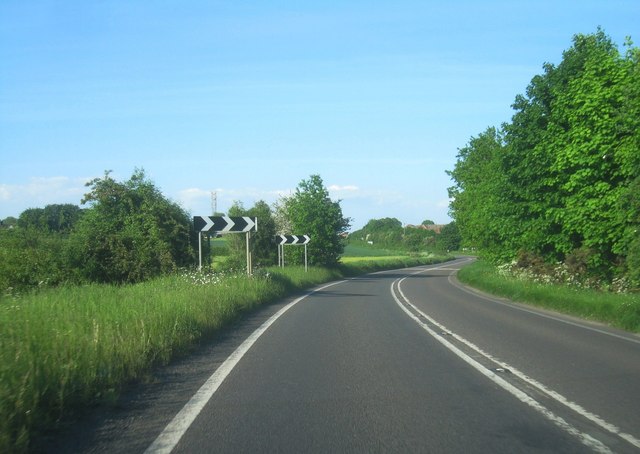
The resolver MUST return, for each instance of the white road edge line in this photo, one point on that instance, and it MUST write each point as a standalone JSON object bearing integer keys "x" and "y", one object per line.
{"x": 586, "y": 439}
{"x": 171, "y": 435}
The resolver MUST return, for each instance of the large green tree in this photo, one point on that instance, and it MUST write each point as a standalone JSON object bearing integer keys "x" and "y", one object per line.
{"x": 312, "y": 212}
{"x": 561, "y": 179}
{"x": 417, "y": 239}
{"x": 130, "y": 232}
{"x": 479, "y": 200}
{"x": 629, "y": 159}
{"x": 590, "y": 146}
{"x": 32, "y": 218}
{"x": 55, "y": 218}
{"x": 449, "y": 238}
{"x": 384, "y": 232}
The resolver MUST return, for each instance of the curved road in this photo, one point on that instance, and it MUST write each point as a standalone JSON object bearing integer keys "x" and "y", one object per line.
{"x": 401, "y": 361}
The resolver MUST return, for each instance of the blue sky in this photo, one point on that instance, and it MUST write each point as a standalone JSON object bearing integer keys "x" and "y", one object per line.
{"x": 247, "y": 98}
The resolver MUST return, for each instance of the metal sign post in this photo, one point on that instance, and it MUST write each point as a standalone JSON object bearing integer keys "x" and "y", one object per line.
{"x": 199, "y": 250}
{"x": 249, "y": 264}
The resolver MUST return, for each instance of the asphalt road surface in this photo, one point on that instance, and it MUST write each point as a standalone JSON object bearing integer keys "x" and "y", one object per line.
{"x": 399, "y": 361}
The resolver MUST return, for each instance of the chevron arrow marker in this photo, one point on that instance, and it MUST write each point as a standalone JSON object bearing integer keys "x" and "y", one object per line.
{"x": 293, "y": 239}
{"x": 229, "y": 225}
{"x": 208, "y": 224}
{"x": 251, "y": 225}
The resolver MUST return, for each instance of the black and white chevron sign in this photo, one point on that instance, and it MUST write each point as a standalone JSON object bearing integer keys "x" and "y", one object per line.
{"x": 292, "y": 239}
{"x": 224, "y": 224}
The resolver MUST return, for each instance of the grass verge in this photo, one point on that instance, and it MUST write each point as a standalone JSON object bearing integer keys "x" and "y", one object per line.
{"x": 65, "y": 348}
{"x": 619, "y": 310}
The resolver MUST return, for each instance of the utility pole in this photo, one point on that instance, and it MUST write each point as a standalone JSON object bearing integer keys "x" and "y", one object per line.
{"x": 214, "y": 203}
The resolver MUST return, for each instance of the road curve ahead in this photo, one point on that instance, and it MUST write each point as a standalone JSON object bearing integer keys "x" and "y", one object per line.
{"x": 410, "y": 361}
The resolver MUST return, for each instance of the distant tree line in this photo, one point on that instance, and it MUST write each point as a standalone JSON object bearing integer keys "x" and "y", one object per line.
{"x": 390, "y": 234}
{"x": 130, "y": 232}
{"x": 561, "y": 181}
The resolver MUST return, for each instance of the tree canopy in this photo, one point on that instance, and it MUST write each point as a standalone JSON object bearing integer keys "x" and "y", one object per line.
{"x": 130, "y": 232}
{"x": 389, "y": 234}
{"x": 59, "y": 218}
{"x": 561, "y": 178}
{"x": 311, "y": 211}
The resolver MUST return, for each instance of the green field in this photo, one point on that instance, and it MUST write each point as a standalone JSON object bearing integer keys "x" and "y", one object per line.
{"x": 382, "y": 258}
{"x": 361, "y": 250}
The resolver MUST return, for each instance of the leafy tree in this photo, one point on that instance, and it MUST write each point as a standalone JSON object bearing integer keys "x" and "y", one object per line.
{"x": 629, "y": 159}
{"x": 417, "y": 239}
{"x": 449, "y": 238}
{"x": 263, "y": 248}
{"x": 588, "y": 149}
{"x": 384, "y": 232}
{"x": 131, "y": 232}
{"x": 630, "y": 243}
{"x": 528, "y": 189}
{"x": 428, "y": 222}
{"x": 559, "y": 181}
{"x": 32, "y": 218}
{"x": 9, "y": 222}
{"x": 479, "y": 199}
{"x": 390, "y": 239}
{"x": 382, "y": 225}
{"x": 59, "y": 218}
{"x": 565, "y": 183}
{"x": 31, "y": 258}
{"x": 34, "y": 254}
{"x": 312, "y": 212}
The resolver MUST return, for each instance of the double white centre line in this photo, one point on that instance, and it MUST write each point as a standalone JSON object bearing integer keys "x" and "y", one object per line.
{"x": 427, "y": 323}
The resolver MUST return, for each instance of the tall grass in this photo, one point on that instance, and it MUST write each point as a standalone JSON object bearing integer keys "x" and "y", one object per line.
{"x": 619, "y": 310}
{"x": 64, "y": 348}
{"x": 68, "y": 346}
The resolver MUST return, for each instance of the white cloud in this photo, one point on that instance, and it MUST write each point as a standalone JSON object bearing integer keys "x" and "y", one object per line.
{"x": 336, "y": 188}
{"x": 189, "y": 195}
{"x": 348, "y": 191}
{"x": 39, "y": 192}
{"x": 5, "y": 192}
